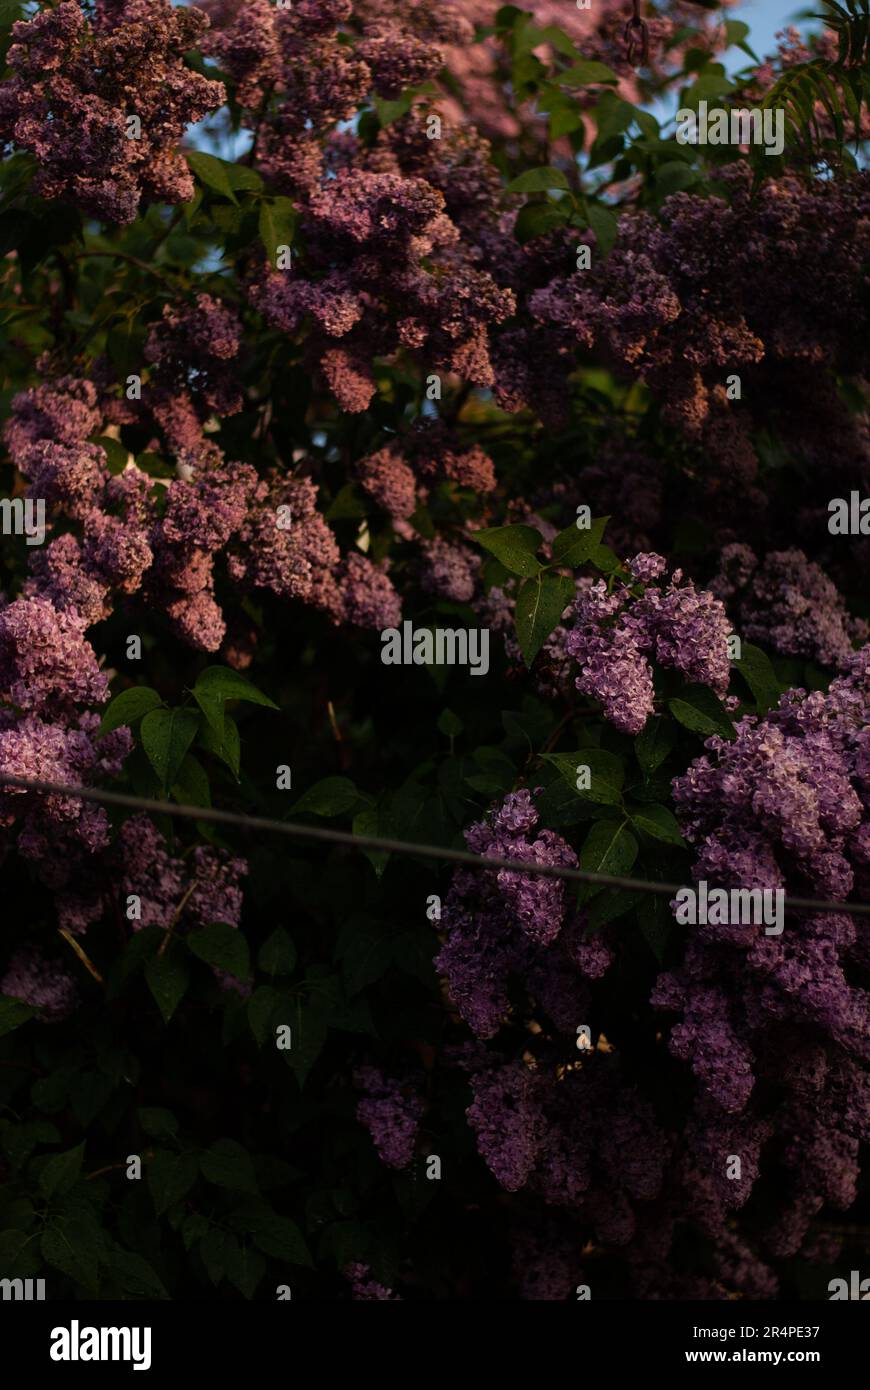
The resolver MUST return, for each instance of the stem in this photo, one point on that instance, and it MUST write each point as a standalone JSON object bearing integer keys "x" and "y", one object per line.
{"x": 86, "y": 962}
{"x": 175, "y": 916}
{"x": 133, "y": 260}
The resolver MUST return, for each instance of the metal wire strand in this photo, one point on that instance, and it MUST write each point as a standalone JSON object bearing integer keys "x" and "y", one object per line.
{"x": 295, "y": 830}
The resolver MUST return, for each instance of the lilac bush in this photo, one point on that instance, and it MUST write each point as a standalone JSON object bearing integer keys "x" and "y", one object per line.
{"x": 341, "y": 321}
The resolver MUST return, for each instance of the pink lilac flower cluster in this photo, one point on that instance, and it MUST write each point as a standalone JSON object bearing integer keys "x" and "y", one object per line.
{"x": 268, "y": 532}
{"x": 404, "y": 282}
{"x": 704, "y": 294}
{"x": 192, "y": 352}
{"x": 127, "y": 540}
{"x": 77, "y": 82}
{"x": 50, "y": 689}
{"x": 385, "y": 267}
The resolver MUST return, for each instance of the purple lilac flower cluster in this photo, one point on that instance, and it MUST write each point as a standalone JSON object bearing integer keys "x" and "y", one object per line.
{"x": 497, "y": 922}
{"x": 391, "y": 1113}
{"x": 774, "y": 1028}
{"x": 613, "y": 634}
{"x": 787, "y": 604}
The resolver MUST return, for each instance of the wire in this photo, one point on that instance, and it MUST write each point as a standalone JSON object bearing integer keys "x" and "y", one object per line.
{"x": 345, "y": 837}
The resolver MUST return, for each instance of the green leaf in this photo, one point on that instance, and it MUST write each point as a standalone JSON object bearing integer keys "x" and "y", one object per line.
{"x": 244, "y": 1268}
{"x": 603, "y": 558}
{"x": 368, "y": 822}
{"x": 74, "y": 1247}
{"x": 308, "y": 1019}
{"x": 127, "y": 707}
{"x": 612, "y": 117}
{"x": 213, "y": 172}
{"x": 574, "y": 545}
{"x": 13, "y": 1013}
{"x": 140, "y": 947}
{"x": 365, "y": 951}
{"x": 659, "y": 822}
{"x": 275, "y": 1235}
{"x": 539, "y": 608}
{"x": 277, "y": 955}
{"x": 124, "y": 345}
{"x": 216, "y": 1248}
{"x": 654, "y": 742}
{"x": 227, "y": 1164}
{"x": 117, "y": 454}
{"x": 604, "y": 224}
{"x": 736, "y": 32}
{"x": 755, "y": 668}
{"x": 538, "y": 181}
{"x": 586, "y": 72}
{"x": 221, "y": 683}
{"x": 166, "y": 736}
{"x": 170, "y": 1177}
{"x": 191, "y": 786}
{"x": 219, "y": 735}
{"x": 605, "y": 773}
{"x": 154, "y": 465}
{"x": 346, "y": 504}
{"x": 565, "y": 120}
{"x": 711, "y": 87}
{"x": 223, "y": 946}
{"x": 390, "y": 111}
{"x": 412, "y": 953}
{"x": 263, "y": 1012}
{"x": 167, "y": 978}
{"x": 61, "y": 1172}
{"x": 89, "y": 1092}
{"x": 157, "y": 1122}
{"x": 656, "y": 923}
{"x": 701, "y": 711}
{"x": 194, "y": 1228}
{"x": 135, "y": 1275}
{"x": 609, "y": 848}
{"x": 19, "y": 1257}
{"x": 277, "y": 225}
{"x": 243, "y": 178}
{"x": 332, "y": 796}
{"x": 674, "y": 176}
{"x": 10, "y": 10}
{"x": 610, "y": 904}
{"x": 514, "y": 546}
{"x": 537, "y": 219}
{"x": 449, "y": 723}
